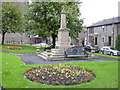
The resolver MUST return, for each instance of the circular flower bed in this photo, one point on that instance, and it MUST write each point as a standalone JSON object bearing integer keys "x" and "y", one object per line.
{"x": 59, "y": 75}
{"x": 13, "y": 47}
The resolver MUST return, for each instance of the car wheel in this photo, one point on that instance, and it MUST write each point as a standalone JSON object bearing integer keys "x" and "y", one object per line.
{"x": 101, "y": 52}
{"x": 111, "y": 54}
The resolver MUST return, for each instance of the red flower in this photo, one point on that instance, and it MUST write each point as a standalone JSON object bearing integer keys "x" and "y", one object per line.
{"x": 33, "y": 76}
{"x": 13, "y": 47}
{"x": 37, "y": 79}
{"x": 55, "y": 79}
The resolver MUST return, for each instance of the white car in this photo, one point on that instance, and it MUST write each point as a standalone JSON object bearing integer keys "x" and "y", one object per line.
{"x": 109, "y": 50}
{"x": 44, "y": 45}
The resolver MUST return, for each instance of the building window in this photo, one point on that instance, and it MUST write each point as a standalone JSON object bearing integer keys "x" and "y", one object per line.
{"x": 91, "y": 30}
{"x": 109, "y": 40}
{"x": 103, "y": 27}
{"x": 91, "y": 39}
{"x": 103, "y": 39}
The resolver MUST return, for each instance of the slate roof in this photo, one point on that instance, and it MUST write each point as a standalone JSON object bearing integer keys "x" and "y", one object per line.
{"x": 110, "y": 21}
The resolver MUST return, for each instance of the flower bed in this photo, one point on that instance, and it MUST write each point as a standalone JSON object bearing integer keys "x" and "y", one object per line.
{"x": 13, "y": 47}
{"x": 59, "y": 75}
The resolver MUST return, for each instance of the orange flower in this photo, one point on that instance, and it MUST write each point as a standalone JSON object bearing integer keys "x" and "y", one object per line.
{"x": 90, "y": 72}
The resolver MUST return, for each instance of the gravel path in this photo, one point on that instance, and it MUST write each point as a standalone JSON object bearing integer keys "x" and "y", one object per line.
{"x": 33, "y": 59}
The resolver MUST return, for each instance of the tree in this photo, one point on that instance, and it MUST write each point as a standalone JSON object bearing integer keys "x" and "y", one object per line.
{"x": 118, "y": 42}
{"x": 44, "y": 18}
{"x": 11, "y": 19}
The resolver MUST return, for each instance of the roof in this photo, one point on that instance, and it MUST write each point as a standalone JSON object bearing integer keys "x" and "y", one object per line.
{"x": 110, "y": 21}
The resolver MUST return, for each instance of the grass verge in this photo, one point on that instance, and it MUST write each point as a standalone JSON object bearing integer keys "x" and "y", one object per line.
{"x": 13, "y": 69}
{"x": 104, "y": 55}
{"x": 26, "y": 48}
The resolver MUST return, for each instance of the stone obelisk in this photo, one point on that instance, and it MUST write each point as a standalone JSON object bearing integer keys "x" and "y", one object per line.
{"x": 63, "y": 32}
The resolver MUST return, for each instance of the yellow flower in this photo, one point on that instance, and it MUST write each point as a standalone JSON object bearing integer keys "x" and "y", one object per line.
{"x": 62, "y": 78}
{"x": 37, "y": 74}
{"x": 43, "y": 77}
{"x": 38, "y": 70}
{"x": 33, "y": 72}
{"x": 62, "y": 71}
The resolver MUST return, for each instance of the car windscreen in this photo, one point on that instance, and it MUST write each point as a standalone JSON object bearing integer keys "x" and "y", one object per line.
{"x": 95, "y": 47}
{"x": 113, "y": 48}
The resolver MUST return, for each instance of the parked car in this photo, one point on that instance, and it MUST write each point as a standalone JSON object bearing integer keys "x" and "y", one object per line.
{"x": 90, "y": 48}
{"x": 109, "y": 51}
{"x": 44, "y": 45}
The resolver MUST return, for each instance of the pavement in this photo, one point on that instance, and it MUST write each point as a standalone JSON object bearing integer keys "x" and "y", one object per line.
{"x": 33, "y": 59}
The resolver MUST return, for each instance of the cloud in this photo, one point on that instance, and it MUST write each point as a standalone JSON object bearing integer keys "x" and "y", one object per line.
{"x": 96, "y": 10}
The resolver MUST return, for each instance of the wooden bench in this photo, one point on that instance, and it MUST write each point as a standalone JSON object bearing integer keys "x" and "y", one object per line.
{"x": 75, "y": 52}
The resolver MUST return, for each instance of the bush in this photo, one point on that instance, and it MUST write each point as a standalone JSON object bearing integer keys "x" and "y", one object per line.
{"x": 118, "y": 42}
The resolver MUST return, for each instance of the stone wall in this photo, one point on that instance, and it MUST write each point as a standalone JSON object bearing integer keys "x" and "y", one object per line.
{"x": 16, "y": 38}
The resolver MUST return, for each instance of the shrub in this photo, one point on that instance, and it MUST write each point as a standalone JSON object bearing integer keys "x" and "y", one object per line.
{"x": 118, "y": 42}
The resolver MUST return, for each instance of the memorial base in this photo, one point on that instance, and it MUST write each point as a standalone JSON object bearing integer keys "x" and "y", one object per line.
{"x": 55, "y": 54}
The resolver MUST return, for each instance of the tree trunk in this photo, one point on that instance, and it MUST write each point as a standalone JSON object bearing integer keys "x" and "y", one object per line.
{"x": 3, "y": 37}
{"x": 53, "y": 40}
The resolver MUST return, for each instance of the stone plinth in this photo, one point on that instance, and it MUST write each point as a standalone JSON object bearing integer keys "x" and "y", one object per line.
{"x": 55, "y": 54}
{"x": 63, "y": 38}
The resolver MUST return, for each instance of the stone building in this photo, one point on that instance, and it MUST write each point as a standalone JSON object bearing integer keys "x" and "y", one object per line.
{"x": 16, "y": 38}
{"x": 104, "y": 33}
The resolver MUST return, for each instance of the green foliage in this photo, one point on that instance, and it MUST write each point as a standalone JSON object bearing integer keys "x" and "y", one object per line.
{"x": 92, "y": 44}
{"x": 118, "y": 42}
{"x": 11, "y": 17}
{"x": 44, "y": 18}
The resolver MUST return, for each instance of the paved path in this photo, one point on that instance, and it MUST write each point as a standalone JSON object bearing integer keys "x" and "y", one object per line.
{"x": 33, "y": 59}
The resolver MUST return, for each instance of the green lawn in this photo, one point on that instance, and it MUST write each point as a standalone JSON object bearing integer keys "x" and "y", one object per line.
{"x": 26, "y": 48}
{"x": 0, "y": 68}
{"x": 104, "y": 55}
{"x": 13, "y": 69}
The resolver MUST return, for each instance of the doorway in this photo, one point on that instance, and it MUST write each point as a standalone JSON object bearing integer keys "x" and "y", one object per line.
{"x": 95, "y": 40}
{"x": 109, "y": 40}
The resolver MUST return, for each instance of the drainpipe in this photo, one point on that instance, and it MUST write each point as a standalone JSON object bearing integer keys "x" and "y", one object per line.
{"x": 113, "y": 34}
{"x": 87, "y": 35}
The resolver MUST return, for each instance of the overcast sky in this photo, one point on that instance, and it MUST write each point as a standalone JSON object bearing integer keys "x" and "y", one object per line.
{"x": 96, "y": 10}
